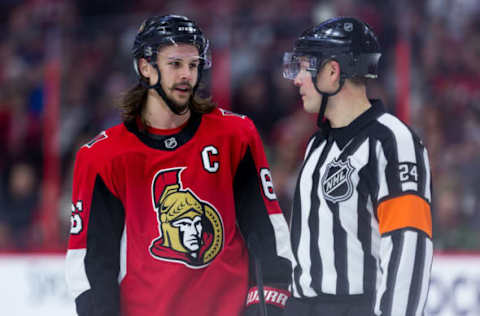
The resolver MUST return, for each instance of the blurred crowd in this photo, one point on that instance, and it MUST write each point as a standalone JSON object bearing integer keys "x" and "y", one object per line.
{"x": 92, "y": 40}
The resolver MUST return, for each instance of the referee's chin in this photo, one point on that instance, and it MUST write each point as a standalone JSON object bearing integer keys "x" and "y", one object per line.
{"x": 309, "y": 106}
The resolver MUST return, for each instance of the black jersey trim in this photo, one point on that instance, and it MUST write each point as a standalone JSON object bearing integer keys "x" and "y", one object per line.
{"x": 105, "y": 228}
{"x": 159, "y": 141}
{"x": 343, "y": 135}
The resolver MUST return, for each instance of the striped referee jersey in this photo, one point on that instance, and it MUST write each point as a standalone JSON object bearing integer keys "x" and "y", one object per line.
{"x": 361, "y": 221}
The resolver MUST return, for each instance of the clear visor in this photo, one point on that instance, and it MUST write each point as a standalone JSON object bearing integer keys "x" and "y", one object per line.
{"x": 293, "y": 64}
{"x": 199, "y": 42}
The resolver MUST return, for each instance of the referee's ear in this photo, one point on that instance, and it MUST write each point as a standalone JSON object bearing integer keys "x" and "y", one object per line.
{"x": 329, "y": 76}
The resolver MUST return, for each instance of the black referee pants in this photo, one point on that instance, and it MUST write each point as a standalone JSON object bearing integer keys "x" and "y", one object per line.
{"x": 330, "y": 305}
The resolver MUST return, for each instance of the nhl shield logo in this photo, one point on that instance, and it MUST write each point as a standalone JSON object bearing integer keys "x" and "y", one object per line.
{"x": 337, "y": 183}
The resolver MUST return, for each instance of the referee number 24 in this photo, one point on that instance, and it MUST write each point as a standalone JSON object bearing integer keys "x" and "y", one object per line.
{"x": 408, "y": 172}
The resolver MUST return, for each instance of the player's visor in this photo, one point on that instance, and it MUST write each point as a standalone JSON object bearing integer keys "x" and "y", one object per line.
{"x": 293, "y": 64}
{"x": 198, "y": 41}
{"x": 187, "y": 59}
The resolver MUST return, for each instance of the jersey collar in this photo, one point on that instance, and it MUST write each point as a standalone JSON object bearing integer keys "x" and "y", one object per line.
{"x": 167, "y": 141}
{"x": 343, "y": 135}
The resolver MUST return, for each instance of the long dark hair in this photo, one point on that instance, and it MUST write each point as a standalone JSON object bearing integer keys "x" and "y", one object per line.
{"x": 134, "y": 100}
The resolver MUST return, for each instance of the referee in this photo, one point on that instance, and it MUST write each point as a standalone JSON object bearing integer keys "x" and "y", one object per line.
{"x": 361, "y": 229}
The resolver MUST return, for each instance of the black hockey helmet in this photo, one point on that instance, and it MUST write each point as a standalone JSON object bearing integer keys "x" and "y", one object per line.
{"x": 165, "y": 30}
{"x": 347, "y": 40}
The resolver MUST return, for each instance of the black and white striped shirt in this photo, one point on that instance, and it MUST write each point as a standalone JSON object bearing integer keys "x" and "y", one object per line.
{"x": 361, "y": 221}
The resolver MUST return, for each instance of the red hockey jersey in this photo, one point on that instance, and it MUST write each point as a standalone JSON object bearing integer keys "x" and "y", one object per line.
{"x": 161, "y": 219}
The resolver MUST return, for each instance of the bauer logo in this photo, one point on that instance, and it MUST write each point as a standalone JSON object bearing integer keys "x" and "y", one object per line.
{"x": 337, "y": 183}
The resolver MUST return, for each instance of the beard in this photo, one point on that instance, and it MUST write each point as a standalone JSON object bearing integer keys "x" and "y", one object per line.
{"x": 181, "y": 106}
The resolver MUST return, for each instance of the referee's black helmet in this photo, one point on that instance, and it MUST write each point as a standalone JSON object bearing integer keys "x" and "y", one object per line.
{"x": 350, "y": 42}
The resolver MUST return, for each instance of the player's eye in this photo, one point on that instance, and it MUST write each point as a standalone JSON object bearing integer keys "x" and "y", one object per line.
{"x": 175, "y": 64}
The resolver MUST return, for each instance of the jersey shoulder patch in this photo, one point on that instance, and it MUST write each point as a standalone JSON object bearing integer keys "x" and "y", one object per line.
{"x": 99, "y": 137}
{"x": 105, "y": 144}
{"x": 230, "y": 113}
{"x": 231, "y": 122}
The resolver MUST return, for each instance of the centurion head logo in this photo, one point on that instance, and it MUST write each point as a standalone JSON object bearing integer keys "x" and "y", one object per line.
{"x": 191, "y": 230}
{"x": 337, "y": 184}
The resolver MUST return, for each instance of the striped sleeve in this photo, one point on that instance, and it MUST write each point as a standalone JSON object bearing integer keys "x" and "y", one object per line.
{"x": 406, "y": 263}
{"x": 404, "y": 181}
{"x": 93, "y": 255}
{"x": 404, "y": 218}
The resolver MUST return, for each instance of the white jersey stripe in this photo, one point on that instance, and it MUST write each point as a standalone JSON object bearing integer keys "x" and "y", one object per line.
{"x": 309, "y": 146}
{"x": 280, "y": 229}
{"x": 382, "y": 177}
{"x": 409, "y": 186}
{"x": 355, "y": 254}
{"x": 123, "y": 256}
{"x": 304, "y": 245}
{"x": 426, "y": 281}
{"x": 326, "y": 246}
{"x": 349, "y": 221}
{"x": 386, "y": 248}
{"x": 326, "y": 237}
{"x": 76, "y": 274}
{"x": 405, "y": 145}
{"x": 428, "y": 192}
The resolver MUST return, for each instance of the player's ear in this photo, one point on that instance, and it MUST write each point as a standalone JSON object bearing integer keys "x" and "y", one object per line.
{"x": 144, "y": 67}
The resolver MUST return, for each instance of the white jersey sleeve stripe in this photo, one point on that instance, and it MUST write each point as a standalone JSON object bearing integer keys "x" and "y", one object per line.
{"x": 282, "y": 237}
{"x": 426, "y": 277}
{"x": 404, "y": 142}
{"x": 123, "y": 255}
{"x": 76, "y": 275}
{"x": 404, "y": 273}
{"x": 382, "y": 165}
{"x": 403, "y": 137}
{"x": 428, "y": 192}
{"x": 386, "y": 248}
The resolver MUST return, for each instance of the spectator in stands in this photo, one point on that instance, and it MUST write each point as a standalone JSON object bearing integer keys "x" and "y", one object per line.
{"x": 19, "y": 200}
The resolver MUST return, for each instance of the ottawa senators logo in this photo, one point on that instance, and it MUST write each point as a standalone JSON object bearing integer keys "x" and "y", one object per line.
{"x": 191, "y": 230}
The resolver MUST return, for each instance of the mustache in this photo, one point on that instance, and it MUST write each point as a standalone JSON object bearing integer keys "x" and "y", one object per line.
{"x": 185, "y": 83}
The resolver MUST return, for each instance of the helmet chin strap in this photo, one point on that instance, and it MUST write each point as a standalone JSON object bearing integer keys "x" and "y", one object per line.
{"x": 321, "y": 121}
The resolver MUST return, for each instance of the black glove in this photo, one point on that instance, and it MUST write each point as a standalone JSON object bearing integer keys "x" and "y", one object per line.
{"x": 275, "y": 301}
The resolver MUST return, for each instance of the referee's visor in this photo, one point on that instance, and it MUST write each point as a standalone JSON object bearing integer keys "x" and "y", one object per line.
{"x": 293, "y": 64}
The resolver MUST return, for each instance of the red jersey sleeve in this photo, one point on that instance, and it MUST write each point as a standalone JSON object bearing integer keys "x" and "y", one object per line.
{"x": 259, "y": 215}
{"x": 97, "y": 219}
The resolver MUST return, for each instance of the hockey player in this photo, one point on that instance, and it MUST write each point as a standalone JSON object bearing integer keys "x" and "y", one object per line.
{"x": 165, "y": 204}
{"x": 361, "y": 230}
